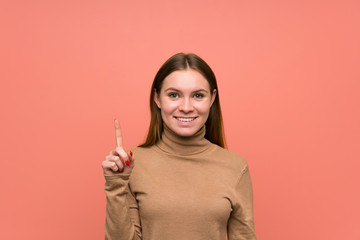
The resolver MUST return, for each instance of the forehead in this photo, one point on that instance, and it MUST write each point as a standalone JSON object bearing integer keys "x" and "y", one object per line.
{"x": 186, "y": 80}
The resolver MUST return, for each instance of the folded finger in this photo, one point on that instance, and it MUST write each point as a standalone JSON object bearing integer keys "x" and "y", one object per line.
{"x": 118, "y": 162}
{"x": 110, "y": 166}
{"x": 122, "y": 154}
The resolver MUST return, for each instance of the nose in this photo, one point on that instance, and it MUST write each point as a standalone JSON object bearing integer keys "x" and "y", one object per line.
{"x": 186, "y": 105}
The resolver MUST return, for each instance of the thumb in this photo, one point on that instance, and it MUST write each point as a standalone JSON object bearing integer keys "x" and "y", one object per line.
{"x": 131, "y": 158}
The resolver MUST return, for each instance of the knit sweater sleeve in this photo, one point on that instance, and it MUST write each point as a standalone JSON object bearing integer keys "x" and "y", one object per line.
{"x": 122, "y": 211}
{"x": 241, "y": 222}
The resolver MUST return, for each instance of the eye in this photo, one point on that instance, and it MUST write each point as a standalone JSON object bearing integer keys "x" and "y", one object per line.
{"x": 199, "y": 95}
{"x": 173, "y": 95}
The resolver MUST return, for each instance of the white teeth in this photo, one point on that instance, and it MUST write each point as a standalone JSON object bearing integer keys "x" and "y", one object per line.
{"x": 185, "y": 119}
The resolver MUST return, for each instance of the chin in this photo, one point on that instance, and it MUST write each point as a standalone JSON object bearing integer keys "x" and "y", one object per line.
{"x": 186, "y": 132}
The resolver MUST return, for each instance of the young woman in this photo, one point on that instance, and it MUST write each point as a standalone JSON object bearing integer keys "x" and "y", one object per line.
{"x": 185, "y": 185}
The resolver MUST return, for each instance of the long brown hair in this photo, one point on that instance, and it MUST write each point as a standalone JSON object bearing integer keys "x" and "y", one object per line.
{"x": 181, "y": 61}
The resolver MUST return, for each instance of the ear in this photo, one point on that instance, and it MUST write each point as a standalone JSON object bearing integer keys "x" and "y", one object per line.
{"x": 213, "y": 96}
{"x": 156, "y": 98}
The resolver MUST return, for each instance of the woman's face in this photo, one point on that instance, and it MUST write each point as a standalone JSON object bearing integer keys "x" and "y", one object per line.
{"x": 185, "y": 100}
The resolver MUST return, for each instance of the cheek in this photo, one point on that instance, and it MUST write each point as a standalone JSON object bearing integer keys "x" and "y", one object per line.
{"x": 167, "y": 107}
{"x": 203, "y": 108}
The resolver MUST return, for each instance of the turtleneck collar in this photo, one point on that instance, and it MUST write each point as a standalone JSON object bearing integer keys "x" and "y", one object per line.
{"x": 172, "y": 143}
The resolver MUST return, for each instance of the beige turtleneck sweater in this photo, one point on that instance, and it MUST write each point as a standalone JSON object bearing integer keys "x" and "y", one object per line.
{"x": 182, "y": 188}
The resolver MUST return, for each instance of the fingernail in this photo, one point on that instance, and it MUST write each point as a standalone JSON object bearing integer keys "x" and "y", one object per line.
{"x": 130, "y": 153}
{"x": 121, "y": 170}
{"x": 127, "y": 162}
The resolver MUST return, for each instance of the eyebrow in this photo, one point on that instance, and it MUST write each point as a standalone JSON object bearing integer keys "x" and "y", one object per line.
{"x": 177, "y": 90}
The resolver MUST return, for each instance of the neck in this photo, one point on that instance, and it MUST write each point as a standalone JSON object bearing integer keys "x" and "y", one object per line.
{"x": 175, "y": 144}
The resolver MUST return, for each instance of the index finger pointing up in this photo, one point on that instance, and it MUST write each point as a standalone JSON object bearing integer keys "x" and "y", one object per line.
{"x": 118, "y": 135}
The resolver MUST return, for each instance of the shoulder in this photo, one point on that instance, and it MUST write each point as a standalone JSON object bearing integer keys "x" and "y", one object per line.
{"x": 230, "y": 158}
{"x": 141, "y": 149}
{"x": 140, "y": 152}
{"x": 144, "y": 158}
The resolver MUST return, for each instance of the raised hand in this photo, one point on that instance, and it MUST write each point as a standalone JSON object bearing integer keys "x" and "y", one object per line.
{"x": 118, "y": 161}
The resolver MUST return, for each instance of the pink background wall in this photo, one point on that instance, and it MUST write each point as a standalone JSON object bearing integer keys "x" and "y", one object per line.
{"x": 288, "y": 74}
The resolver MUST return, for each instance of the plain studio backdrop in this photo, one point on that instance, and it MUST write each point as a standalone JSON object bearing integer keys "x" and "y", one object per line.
{"x": 288, "y": 75}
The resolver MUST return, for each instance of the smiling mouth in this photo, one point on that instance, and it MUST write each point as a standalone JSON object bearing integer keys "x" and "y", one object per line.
{"x": 185, "y": 119}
